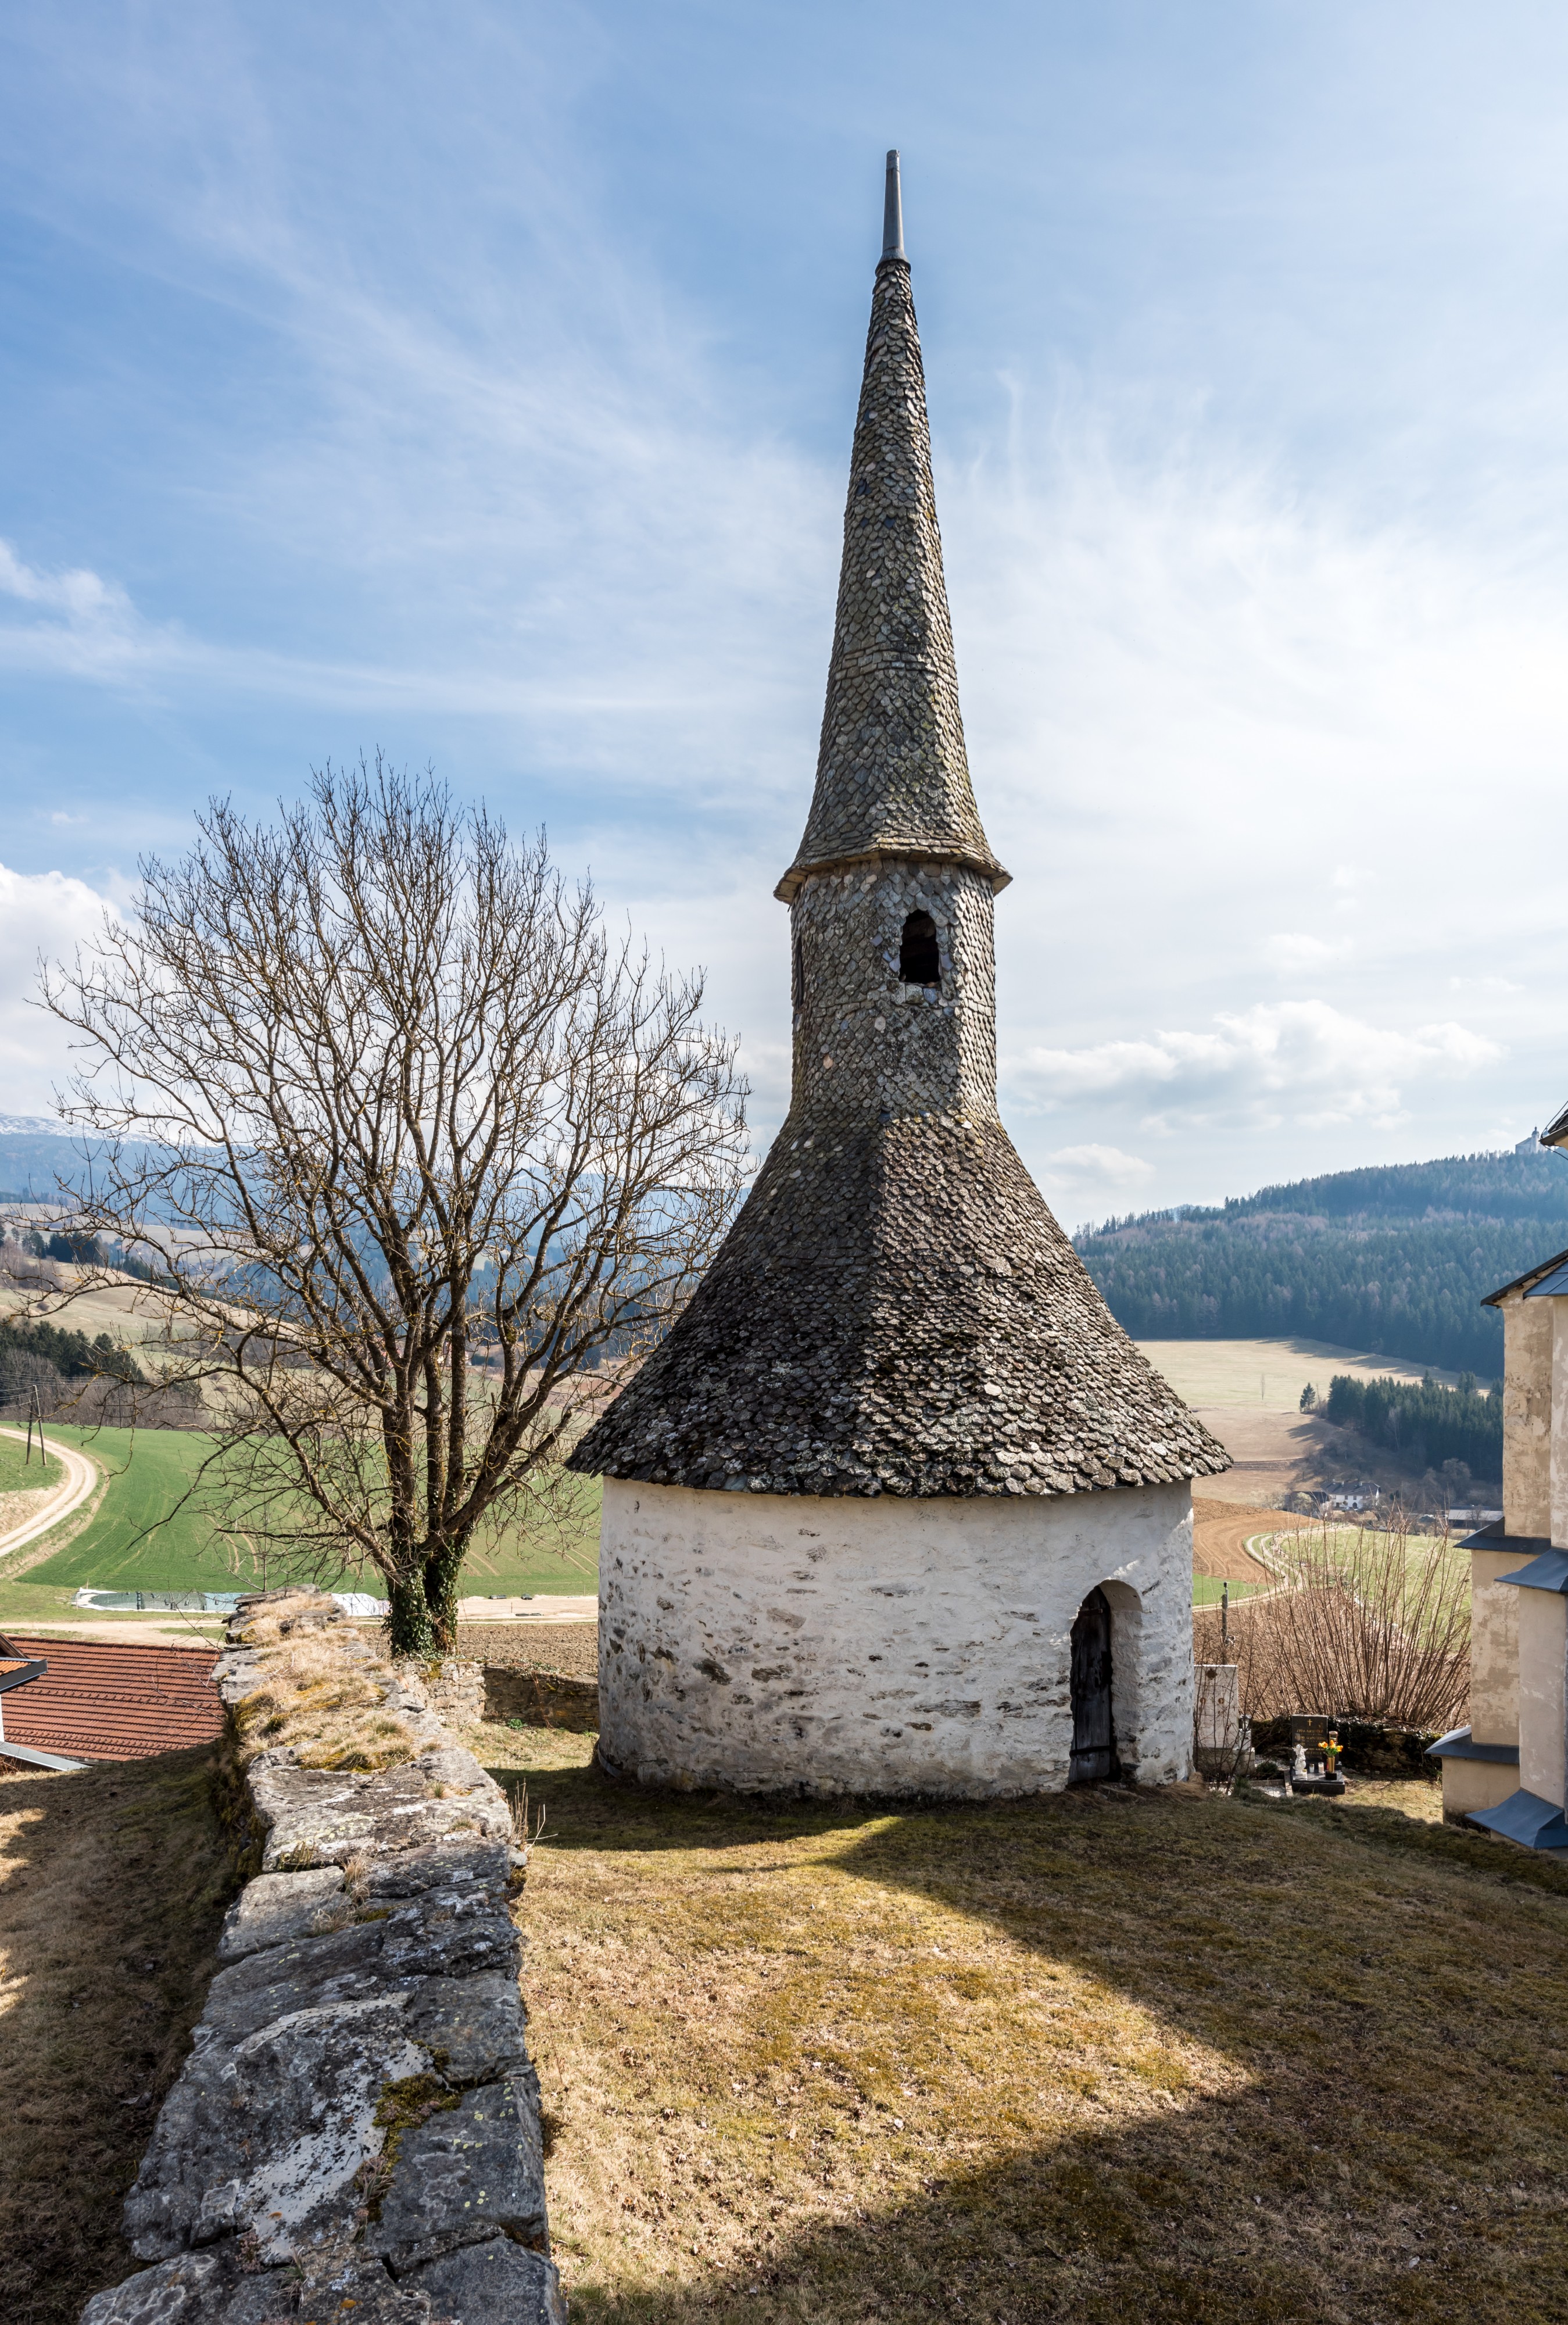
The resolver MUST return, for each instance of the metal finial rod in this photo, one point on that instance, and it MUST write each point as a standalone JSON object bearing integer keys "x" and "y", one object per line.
{"x": 893, "y": 213}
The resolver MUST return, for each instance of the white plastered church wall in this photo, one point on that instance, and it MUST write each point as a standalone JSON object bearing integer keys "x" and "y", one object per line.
{"x": 764, "y": 1642}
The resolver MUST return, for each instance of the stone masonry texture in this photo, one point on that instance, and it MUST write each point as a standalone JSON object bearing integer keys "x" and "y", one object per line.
{"x": 774, "y": 1642}
{"x": 356, "y": 2130}
{"x": 895, "y": 1310}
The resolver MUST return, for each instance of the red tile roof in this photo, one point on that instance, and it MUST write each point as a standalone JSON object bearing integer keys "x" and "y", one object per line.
{"x": 102, "y": 1701}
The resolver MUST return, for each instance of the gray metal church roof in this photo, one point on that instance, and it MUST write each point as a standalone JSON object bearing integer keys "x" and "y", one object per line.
{"x": 1533, "y": 1279}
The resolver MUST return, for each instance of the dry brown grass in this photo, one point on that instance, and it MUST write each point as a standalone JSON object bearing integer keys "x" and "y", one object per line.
{"x": 1107, "y": 2056}
{"x": 331, "y": 1710}
{"x": 112, "y": 1887}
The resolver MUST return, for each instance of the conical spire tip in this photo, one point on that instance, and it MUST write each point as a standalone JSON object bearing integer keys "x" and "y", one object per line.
{"x": 893, "y": 213}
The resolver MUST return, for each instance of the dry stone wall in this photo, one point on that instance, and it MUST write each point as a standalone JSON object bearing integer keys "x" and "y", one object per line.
{"x": 452, "y": 1687}
{"x": 355, "y": 2134}
{"x": 542, "y": 1698}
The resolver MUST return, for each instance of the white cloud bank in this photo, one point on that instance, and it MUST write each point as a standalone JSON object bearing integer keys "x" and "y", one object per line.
{"x": 1093, "y": 1175}
{"x": 51, "y": 914}
{"x": 1292, "y": 1061}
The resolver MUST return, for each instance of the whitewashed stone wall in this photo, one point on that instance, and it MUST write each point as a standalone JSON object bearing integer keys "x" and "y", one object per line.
{"x": 766, "y": 1642}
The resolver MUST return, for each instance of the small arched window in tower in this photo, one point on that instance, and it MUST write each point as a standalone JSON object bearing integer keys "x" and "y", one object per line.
{"x": 919, "y": 963}
{"x": 798, "y": 976}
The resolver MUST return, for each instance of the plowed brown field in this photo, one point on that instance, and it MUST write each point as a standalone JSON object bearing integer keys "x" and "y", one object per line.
{"x": 1219, "y": 1536}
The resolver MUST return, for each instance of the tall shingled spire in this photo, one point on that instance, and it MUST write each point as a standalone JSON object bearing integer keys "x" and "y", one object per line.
{"x": 892, "y": 774}
{"x": 895, "y": 1310}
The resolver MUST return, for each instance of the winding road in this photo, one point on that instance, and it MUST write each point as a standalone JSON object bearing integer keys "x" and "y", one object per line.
{"x": 80, "y": 1480}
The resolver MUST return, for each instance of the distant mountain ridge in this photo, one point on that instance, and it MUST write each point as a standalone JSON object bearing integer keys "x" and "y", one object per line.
{"x": 1395, "y": 1258}
{"x": 35, "y": 1154}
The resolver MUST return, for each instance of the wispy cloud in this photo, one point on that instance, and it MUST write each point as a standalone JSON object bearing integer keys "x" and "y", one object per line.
{"x": 1079, "y": 1174}
{"x": 1301, "y": 1061}
{"x": 1293, "y": 953}
{"x": 77, "y": 625}
{"x": 1262, "y": 675}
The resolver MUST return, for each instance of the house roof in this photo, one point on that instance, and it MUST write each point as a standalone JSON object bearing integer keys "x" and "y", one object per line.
{"x": 98, "y": 1700}
{"x": 1556, "y": 1131}
{"x": 1530, "y": 1280}
{"x": 1459, "y": 1744}
{"x": 1549, "y": 1571}
{"x": 1495, "y": 1536}
{"x": 1526, "y": 1818}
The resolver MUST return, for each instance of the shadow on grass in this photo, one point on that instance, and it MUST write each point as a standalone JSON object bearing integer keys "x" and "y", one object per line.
{"x": 1384, "y": 1992}
{"x": 601, "y": 1812}
{"x": 1150, "y": 2229}
{"x": 115, "y": 1885}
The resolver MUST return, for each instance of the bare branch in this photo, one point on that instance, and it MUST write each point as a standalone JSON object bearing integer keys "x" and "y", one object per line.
{"x": 412, "y": 1148}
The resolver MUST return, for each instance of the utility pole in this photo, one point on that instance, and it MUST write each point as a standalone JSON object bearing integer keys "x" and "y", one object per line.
{"x": 35, "y": 1413}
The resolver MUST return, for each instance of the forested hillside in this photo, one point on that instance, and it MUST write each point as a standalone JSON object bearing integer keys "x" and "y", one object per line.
{"x": 1396, "y": 1261}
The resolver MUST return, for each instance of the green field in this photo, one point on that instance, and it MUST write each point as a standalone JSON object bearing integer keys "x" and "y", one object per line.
{"x": 1351, "y": 1547}
{"x": 137, "y": 1537}
{"x": 20, "y": 1476}
{"x": 1206, "y": 1589}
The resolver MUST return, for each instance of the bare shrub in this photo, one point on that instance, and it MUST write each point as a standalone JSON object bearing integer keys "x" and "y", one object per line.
{"x": 1368, "y": 1624}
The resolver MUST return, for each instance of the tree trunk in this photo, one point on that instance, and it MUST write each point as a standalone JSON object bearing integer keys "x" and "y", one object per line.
{"x": 409, "y": 1618}
{"x": 441, "y": 1574}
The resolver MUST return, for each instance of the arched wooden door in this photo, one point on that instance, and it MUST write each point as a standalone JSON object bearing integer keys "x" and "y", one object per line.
{"x": 1093, "y": 1736}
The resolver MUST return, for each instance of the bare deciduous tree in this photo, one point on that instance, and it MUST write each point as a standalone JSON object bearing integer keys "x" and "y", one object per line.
{"x": 376, "y": 1097}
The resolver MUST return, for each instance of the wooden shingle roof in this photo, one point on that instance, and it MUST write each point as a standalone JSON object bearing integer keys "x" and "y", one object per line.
{"x": 892, "y": 770}
{"x": 896, "y": 1311}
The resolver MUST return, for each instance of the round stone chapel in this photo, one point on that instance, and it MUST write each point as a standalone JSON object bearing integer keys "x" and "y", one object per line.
{"x": 897, "y": 1507}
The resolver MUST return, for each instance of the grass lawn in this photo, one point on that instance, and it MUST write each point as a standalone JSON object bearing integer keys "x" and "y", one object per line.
{"x": 20, "y": 1475}
{"x": 1108, "y": 2056}
{"x": 151, "y": 1470}
{"x": 1206, "y": 1590}
{"x": 112, "y": 1887}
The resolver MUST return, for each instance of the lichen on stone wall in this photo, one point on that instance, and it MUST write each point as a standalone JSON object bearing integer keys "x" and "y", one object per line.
{"x": 357, "y": 2127}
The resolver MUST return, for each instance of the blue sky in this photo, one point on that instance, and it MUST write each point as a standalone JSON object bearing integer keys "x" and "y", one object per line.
{"x": 476, "y": 383}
